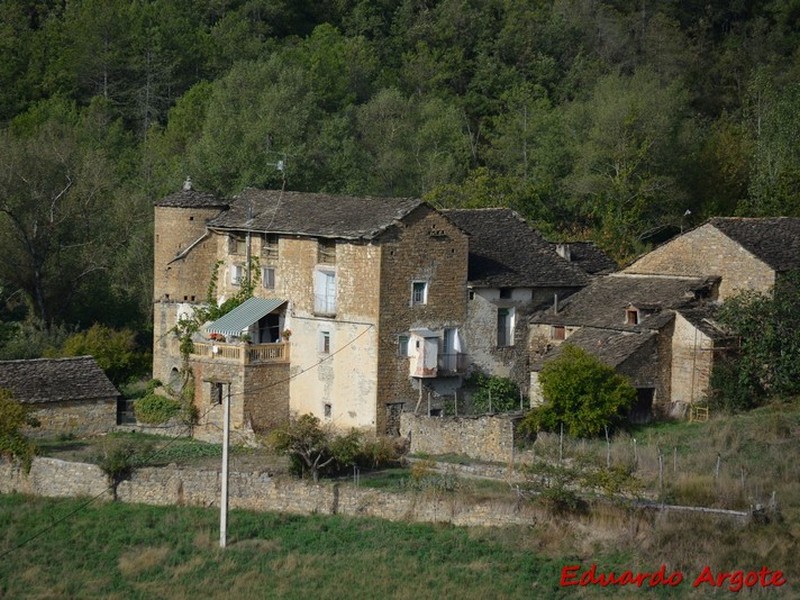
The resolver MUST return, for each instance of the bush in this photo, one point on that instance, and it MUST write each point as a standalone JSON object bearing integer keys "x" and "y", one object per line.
{"x": 155, "y": 409}
{"x": 13, "y": 417}
{"x": 495, "y": 394}
{"x": 580, "y": 392}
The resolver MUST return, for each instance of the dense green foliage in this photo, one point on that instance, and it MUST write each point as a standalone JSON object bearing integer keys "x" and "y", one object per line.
{"x": 13, "y": 418}
{"x": 115, "y": 351}
{"x": 581, "y": 393}
{"x": 767, "y": 360}
{"x": 155, "y": 409}
{"x": 604, "y": 120}
{"x": 494, "y": 394}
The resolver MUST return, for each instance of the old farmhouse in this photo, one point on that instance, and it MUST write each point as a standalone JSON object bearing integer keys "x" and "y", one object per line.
{"x": 67, "y": 396}
{"x": 357, "y": 307}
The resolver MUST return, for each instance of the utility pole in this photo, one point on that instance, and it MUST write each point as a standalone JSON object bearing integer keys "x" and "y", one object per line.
{"x": 223, "y": 501}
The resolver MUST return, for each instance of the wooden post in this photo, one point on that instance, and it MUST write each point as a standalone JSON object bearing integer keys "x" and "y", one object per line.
{"x": 608, "y": 449}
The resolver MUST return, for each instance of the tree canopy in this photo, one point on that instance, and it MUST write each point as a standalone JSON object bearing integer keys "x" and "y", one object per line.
{"x": 599, "y": 120}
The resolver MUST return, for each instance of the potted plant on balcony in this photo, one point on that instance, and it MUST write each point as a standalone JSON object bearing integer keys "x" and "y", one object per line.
{"x": 216, "y": 337}
{"x": 245, "y": 338}
{"x": 286, "y": 334}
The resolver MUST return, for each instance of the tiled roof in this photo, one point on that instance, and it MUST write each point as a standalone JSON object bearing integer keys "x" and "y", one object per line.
{"x": 588, "y": 257}
{"x": 776, "y": 240}
{"x": 192, "y": 199}
{"x": 506, "y": 252}
{"x": 55, "y": 379}
{"x": 611, "y": 347}
{"x": 603, "y": 302}
{"x": 322, "y": 215}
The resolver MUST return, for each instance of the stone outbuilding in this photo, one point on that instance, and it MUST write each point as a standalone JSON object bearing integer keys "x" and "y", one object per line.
{"x": 68, "y": 396}
{"x": 658, "y": 331}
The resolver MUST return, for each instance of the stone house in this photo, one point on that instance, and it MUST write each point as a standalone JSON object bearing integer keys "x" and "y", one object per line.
{"x": 657, "y": 330}
{"x": 352, "y": 295}
{"x": 68, "y": 396}
{"x": 746, "y": 253}
{"x": 512, "y": 271}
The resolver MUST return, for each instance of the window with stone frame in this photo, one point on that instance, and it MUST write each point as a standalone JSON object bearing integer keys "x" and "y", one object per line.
{"x": 237, "y": 274}
{"x": 505, "y": 327}
{"x": 558, "y": 333}
{"x": 631, "y": 316}
{"x": 237, "y": 244}
{"x": 419, "y": 293}
{"x": 268, "y": 278}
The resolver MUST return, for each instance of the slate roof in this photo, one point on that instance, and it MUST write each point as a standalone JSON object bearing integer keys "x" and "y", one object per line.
{"x": 319, "y": 215}
{"x": 603, "y": 302}
{"x": 704, "y": 318}
{"x": 611, "y": 347}
{"x": 192, "y": 199}
{"x": 776, "y": 240}
{"x": 55, "y": 379}
{"x": 504, "y": 251}
{"x": 591, "y": 259}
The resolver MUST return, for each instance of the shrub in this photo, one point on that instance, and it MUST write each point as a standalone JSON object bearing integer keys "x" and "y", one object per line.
{"x": 580, "y": 392}
{"x": 13, "y": 417}
{"x": 495, "y": 394}
{"x": 155, "y": 409}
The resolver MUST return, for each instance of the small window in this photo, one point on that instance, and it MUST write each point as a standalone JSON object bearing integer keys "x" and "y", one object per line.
{"x": 471, "y": 294}
{"x": 237, "y": 244}
{"x": 237, "y": 274}
{"x": 505, "y": 293}
{"x": 327, "y": 410}
{"x": 632, "y": 316}
{"x": 402, "y": 345}
{"x": 419, "y": 293}
{"x": 326, "y": 252}
{"x": 505, "y": 327}
{"x": 268, "y": 277}
{"x": 558, "y": 333}
{"x": 325, "y": 342}
{"x": 217, "y": 392}
{"x": 269, "y": 246}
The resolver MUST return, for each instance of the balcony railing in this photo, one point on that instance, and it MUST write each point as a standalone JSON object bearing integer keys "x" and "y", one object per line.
{"x": 452, "y": 363}
{"x": 246, "y": 354}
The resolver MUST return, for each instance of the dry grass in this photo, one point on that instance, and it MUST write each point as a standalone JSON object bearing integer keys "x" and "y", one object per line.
{"x": 139, "y": 560}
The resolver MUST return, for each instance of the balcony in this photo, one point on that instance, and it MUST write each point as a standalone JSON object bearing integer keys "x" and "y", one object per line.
{"x": 451, "y": 364}
{"x": 244, "y": 354}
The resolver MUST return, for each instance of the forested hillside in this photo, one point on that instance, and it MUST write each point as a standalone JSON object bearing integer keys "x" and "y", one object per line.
{"x": 596, "y": 119}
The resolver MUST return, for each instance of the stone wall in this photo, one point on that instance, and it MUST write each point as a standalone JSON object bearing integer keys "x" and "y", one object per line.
{"x": 707, "y": 251}
{"x": 489, "y": 438}
{"x": 692, "y": 360}
{"x": 257, "y": 491}
{"x": 74, "y": 417}
{"x": 425, "y": 247}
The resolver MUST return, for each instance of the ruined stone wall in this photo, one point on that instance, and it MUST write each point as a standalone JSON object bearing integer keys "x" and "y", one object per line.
{"x": 424, "y": 247}
{"x": 707, "y": 251}
{"x": 489, "y": 438}
{"x": 74, "y": 417}
{"x": 692, "y": 359}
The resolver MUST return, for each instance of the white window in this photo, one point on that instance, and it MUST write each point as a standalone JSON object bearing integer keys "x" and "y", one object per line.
{"x": 505, "y": 327}
{"x": 237, "y": 274}
{"x": 419, "y": 293}
{"x": 402, "y": 345}
{"x": 268, "y": 277}
{"x": 325, "y": 292}
{"x": 324, "y": 342}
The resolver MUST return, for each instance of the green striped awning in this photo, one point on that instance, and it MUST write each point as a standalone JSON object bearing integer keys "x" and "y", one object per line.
{"x": 244, "y": 315}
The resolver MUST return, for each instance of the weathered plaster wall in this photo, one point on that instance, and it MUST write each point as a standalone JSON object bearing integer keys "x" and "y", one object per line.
{"x": 706, "y": 251}
{"x": 692, "y": 359}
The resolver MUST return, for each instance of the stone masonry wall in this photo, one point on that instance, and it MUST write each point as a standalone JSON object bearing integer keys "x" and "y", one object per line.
{"x": 77, "y": 417}
{"x": 426, "y": 247}
{"x": 256, "y": 491}
{"x": 489, "y": 438}
{"x": 707, "y": 251}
